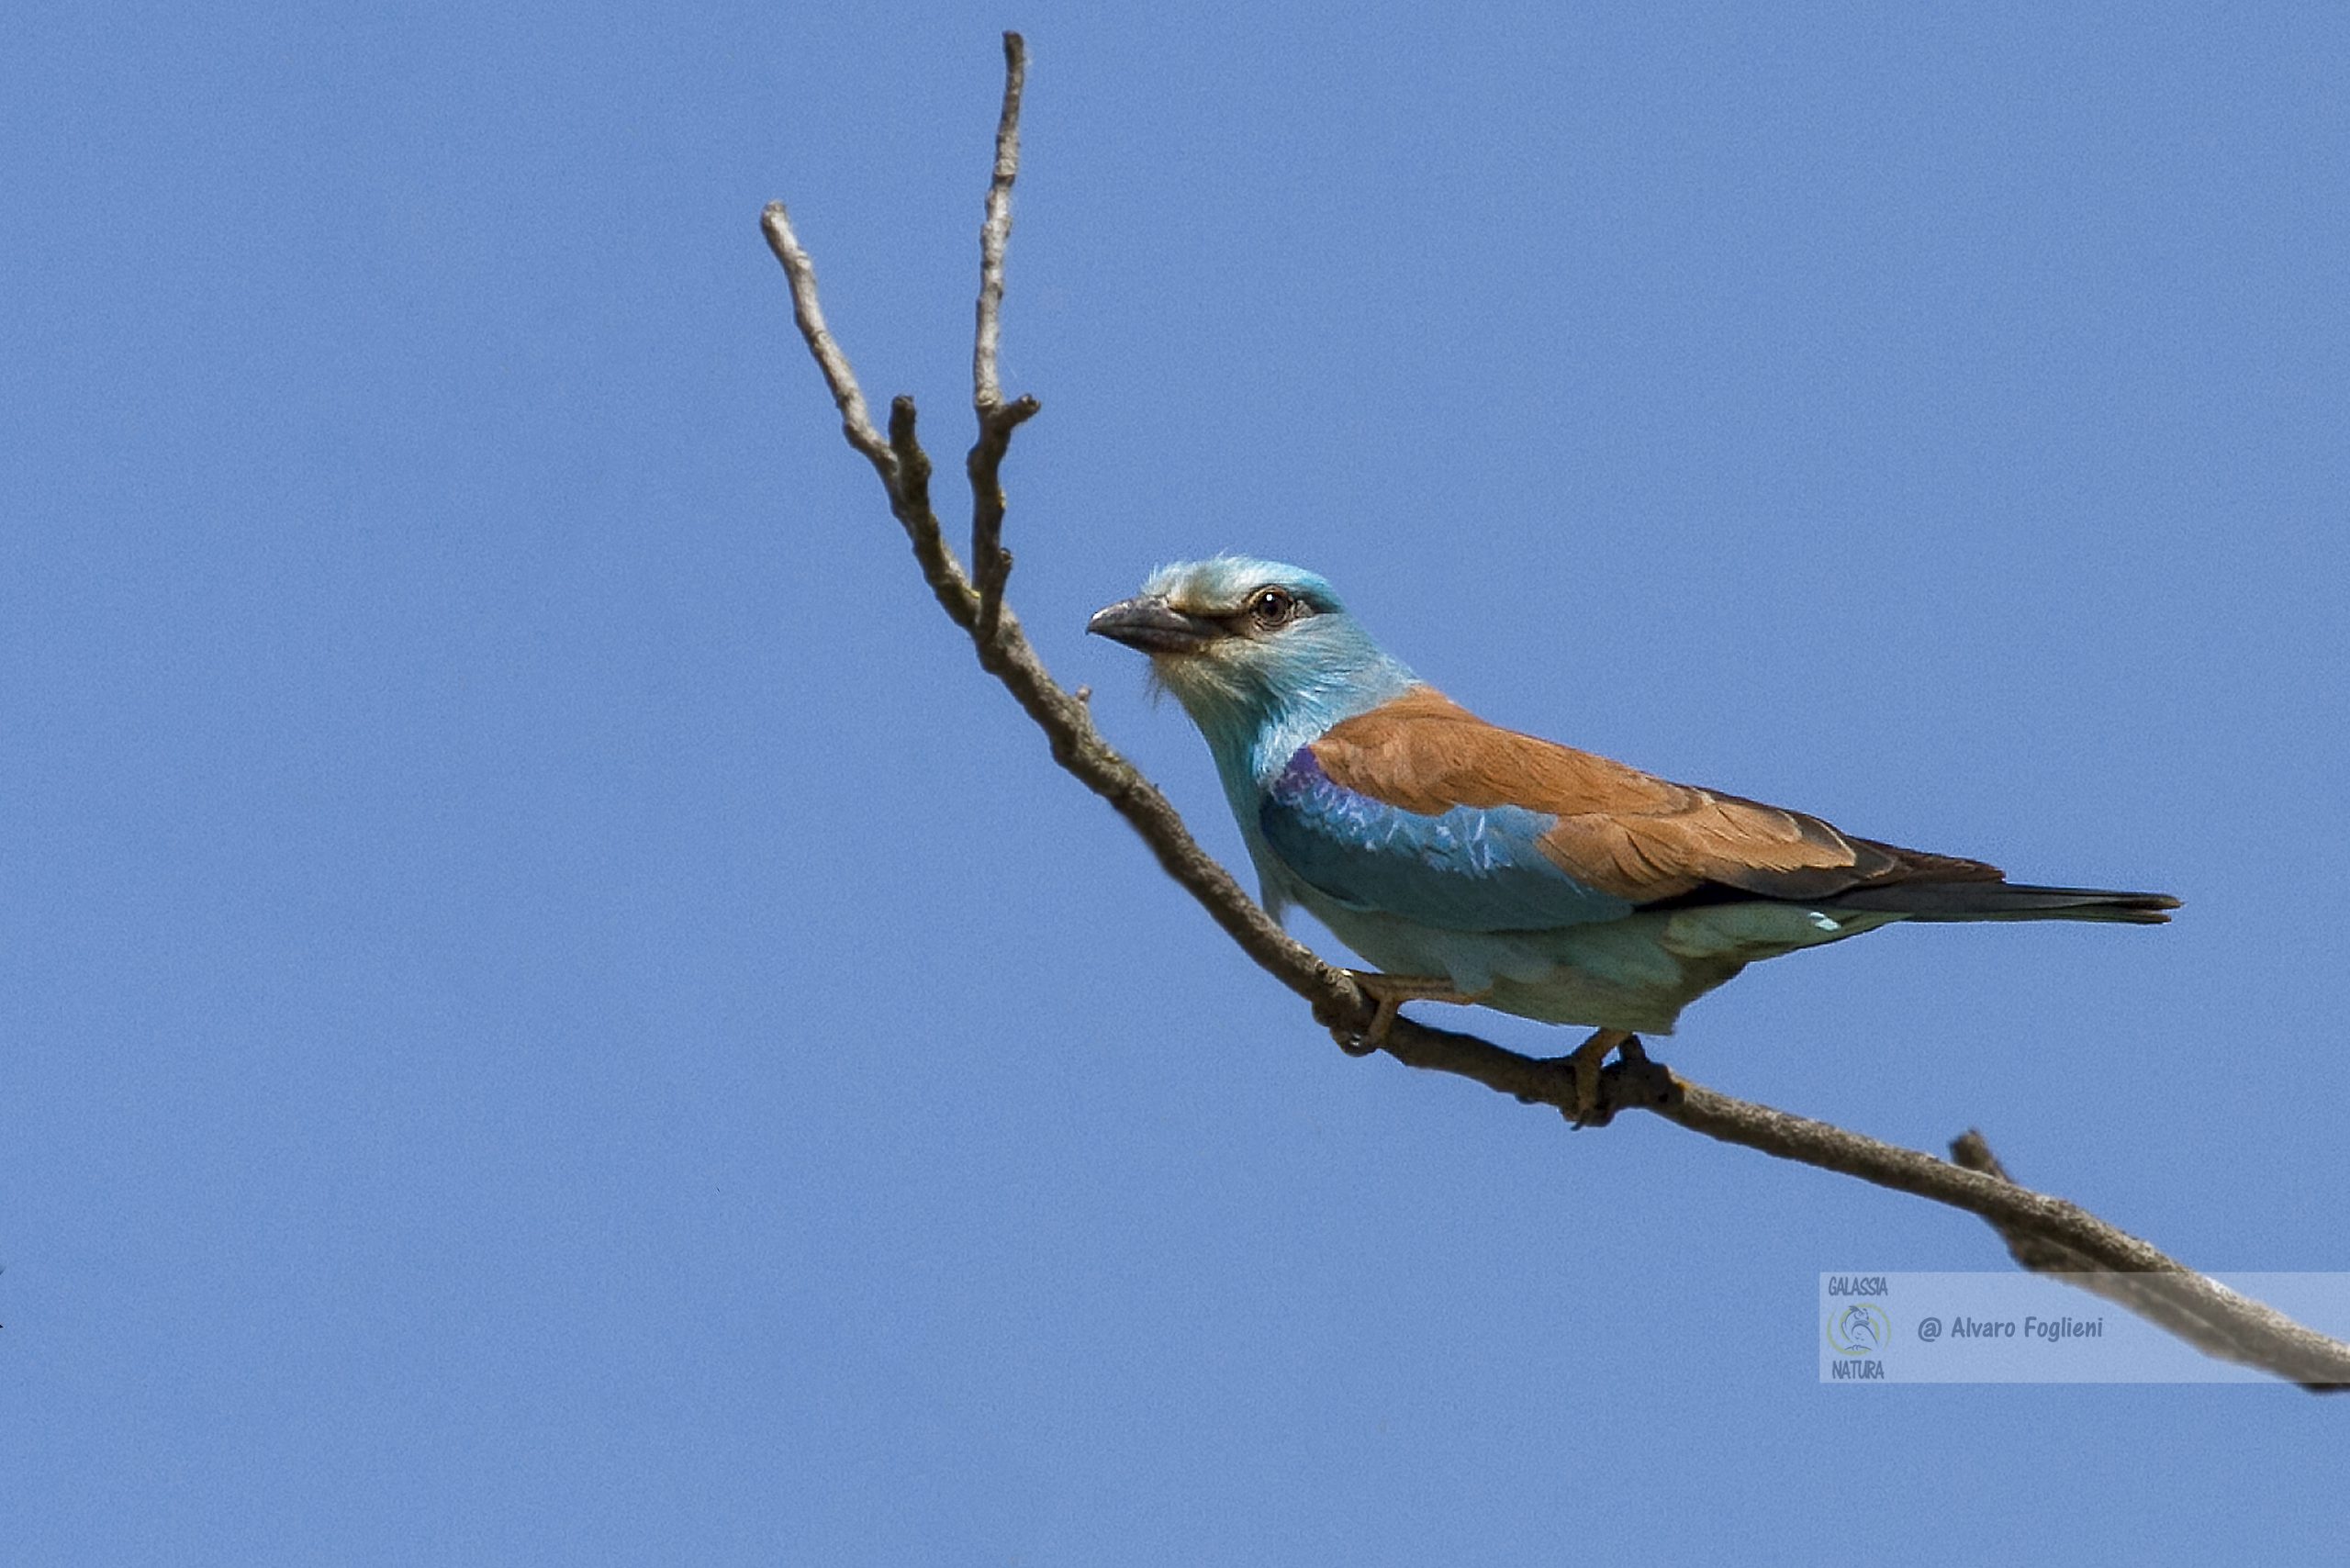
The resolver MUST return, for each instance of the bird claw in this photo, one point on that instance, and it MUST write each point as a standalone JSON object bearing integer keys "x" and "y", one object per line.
{"x": 1591, "y": 1110}
{"x": 1601, "y": 1091}
{"x": 1587, "y": 1065}
{"x": 1390, "y": 992}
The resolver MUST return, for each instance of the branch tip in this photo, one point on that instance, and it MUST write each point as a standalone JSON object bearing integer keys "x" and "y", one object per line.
{"x": 995, "y": 231}
{"x": 799, "y": 273}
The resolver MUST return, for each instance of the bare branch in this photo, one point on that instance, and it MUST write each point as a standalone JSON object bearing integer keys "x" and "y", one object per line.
{"x": 991, "y": 562}
{"x": 911, "y": 500}
{"x": 856, "y": 423}
{"x": 997, "y": 230}
{"x": 2045, "y": 1234}
{"x": 2167, "y": 1295}
{"x": 903, "y": 466}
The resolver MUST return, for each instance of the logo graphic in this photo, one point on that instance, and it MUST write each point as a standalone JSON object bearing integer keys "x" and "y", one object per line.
{"x": 1860, "y": 1329}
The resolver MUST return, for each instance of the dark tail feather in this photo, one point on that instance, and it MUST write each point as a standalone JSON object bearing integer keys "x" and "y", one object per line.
{"x": 2007, "y": 900}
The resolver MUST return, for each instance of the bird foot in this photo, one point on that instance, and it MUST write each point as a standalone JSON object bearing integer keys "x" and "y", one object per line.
{"x": 1390, "y": 992}
{"x": 1601, "y": 1092}
{"x": 1634, "y": 1080}
{"x": 1584, "y": 1065}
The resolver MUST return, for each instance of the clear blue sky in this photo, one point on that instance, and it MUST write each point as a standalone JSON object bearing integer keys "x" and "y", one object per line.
{"x": 549, "y": 1015}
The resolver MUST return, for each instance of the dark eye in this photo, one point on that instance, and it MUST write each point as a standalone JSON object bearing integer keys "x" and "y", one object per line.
{"x": 1272, "y": 606}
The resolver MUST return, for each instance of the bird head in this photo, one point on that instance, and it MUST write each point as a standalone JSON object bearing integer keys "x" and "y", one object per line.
{"x": 1260, "y": 654}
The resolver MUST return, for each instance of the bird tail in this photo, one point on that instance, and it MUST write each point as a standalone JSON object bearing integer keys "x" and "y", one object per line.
{"x": 2007, "y": 900}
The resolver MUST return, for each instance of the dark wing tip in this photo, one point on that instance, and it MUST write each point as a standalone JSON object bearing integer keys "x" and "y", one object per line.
{"x": 1930, "y": 900}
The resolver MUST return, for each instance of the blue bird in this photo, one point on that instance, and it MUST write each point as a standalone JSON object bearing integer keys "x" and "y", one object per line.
{"x": 1473, "y": 864}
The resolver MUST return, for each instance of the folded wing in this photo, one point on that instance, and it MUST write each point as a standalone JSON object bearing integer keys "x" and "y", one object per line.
{"x": 1454, "y": 866}
{"x": 1422, "y": 808}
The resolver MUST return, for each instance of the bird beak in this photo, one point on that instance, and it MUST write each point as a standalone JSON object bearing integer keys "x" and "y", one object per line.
{"x": 1153, "y": 625}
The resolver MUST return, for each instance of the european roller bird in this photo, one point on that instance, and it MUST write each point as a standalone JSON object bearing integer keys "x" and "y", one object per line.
{"x": 1473, "y": 864}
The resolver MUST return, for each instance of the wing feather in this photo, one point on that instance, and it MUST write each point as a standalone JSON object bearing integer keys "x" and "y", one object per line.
{"x": 1614, "y": 828}
{"x": 1459, "y": 868}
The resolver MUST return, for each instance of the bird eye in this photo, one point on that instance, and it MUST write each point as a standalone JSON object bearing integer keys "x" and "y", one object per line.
{"x": 1272, "y": 606}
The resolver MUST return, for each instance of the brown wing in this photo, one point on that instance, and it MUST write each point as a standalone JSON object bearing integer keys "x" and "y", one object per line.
{"x": 1628, "y": 832}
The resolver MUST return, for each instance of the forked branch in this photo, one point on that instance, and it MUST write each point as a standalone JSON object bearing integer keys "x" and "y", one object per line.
{"x": 2044, "y": 1234}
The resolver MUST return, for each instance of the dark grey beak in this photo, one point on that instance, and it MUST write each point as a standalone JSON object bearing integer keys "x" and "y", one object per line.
{"x": 1153, "y": 625}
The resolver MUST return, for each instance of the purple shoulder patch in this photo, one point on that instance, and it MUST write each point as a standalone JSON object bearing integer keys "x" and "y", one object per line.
{"x": 1305, "y": 770}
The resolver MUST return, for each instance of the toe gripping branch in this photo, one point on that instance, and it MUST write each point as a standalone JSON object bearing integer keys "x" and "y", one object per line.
{"x": 1632, "y": 1082}
{"x": 1587, "y": 1094}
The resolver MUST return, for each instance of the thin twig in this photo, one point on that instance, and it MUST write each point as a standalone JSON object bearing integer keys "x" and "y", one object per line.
{"x": 991, "y": 562}
{"x": 2042, "y": 1231}
{"x": 997, "y": 230}
{"x": 856, "y": 423}
{"x": 912, "y": 499}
